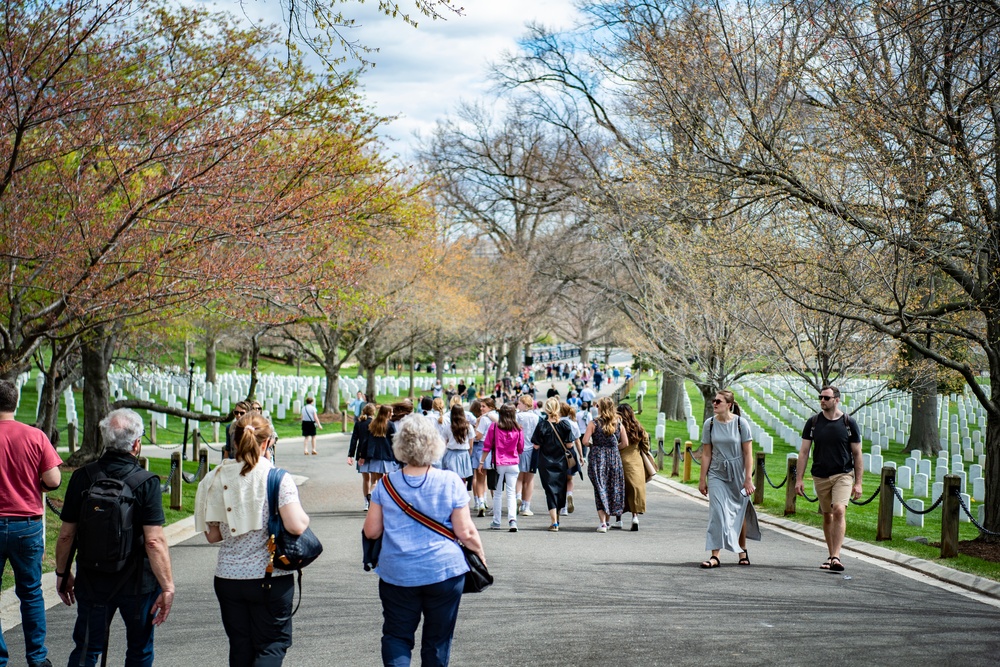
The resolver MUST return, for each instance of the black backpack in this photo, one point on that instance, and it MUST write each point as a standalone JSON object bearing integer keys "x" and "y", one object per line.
{"x": 106, "y": 535}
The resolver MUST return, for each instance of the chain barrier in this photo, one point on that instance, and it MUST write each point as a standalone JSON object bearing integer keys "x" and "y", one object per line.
{"x": 55, "y": 510}
{"x": 961, "y": 502}
{"x": 167, "y": 446}
{"x": 695, "y": 456}
{"x": 806, "y": 496}
{"x": 899, "y": 497}
{"x": 773, "y": 486}
{"x": 170, "y": 476}
{"x": 861, "y": 503}
{"x": 190, "y": 478}
{"x": 214, "y": 449}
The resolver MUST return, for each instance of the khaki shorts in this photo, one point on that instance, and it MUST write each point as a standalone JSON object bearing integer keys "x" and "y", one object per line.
{"x": 833, "y": 490}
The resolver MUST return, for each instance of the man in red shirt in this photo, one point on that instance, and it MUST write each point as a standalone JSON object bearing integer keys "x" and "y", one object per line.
{"x": 28, "y": 465}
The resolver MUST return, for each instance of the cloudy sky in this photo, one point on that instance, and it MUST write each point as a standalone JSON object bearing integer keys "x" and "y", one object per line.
{"x": 422, "y": 73}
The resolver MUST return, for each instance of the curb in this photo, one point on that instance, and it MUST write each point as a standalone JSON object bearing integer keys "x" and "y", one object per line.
{"x": 948, "y": 575}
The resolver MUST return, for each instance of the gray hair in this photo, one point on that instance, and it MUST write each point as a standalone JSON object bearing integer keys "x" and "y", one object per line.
{"x": 417, "y": 442}
{"x": 120, "y": 429}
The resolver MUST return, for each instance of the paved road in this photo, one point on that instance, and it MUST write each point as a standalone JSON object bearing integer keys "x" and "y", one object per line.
{"x": 583, "y": 598}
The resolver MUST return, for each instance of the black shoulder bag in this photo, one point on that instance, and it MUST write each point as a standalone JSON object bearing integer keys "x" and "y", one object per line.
{"x": 287, "y": 551}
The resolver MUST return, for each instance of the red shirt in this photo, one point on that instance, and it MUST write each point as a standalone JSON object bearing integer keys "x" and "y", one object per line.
{"x": 25, "y": 453}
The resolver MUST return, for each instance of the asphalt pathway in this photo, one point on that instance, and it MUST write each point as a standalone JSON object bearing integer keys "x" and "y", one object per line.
{"x": 583, "y": 598}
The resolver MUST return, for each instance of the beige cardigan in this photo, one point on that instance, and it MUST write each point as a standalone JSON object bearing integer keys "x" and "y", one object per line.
{"x": 238, "y": 500}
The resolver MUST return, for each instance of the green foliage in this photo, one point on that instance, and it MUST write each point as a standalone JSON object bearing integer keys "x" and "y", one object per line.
{"x": 907, "y": 367}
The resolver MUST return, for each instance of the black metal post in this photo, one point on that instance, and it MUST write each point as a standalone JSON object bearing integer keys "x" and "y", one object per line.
{"x": 184, "y": 448}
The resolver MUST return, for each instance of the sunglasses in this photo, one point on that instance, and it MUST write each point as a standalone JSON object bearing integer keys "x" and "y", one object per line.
{"x": 826, "y": 398}
{"x": 239, "y": 413}
{"x": 717, "y": 401}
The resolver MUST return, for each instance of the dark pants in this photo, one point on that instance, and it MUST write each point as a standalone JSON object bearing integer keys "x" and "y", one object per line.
{"x": 93, "y": 615}
{"x": 401, "y": 610}
{"x": 258, "y": 621}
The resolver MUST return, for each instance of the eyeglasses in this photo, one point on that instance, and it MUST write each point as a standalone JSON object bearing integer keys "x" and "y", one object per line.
{"x": 826, "y": 398}
{"x": 239, "y": 413}
{"x": 717, "y": 401}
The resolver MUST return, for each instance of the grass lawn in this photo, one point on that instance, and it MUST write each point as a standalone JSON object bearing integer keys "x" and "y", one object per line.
{"x": 861, "y": 521}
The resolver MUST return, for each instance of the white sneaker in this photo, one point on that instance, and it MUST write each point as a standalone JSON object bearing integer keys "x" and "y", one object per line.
{"x": 527, "y": 513}
{"x": 512, "y": 526}
{"x": 603, "y": 528}
{"x": 494, "y": 526}
{"x": 367, "y": 504}
{"x": 618, "y": 524}
{"x": 563, "y": 512}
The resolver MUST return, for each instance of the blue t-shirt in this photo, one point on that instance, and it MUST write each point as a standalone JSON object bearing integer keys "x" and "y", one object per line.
{"x": 412, "y": 554}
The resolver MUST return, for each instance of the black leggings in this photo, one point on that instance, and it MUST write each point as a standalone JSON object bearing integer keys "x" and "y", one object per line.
{"x": 258, "y": 621}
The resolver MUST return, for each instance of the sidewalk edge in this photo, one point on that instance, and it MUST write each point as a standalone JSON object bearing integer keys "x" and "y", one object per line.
{"x": 946, "y": 574}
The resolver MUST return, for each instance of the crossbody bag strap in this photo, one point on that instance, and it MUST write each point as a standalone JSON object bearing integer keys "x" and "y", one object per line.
{"x": 416, "y": 514}
{"x": 556, "y": 431}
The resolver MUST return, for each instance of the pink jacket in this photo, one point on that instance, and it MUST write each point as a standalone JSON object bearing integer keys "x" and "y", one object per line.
{"x": 509, "y": 445}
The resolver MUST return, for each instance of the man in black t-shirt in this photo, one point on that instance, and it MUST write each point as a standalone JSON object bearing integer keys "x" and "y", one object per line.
{"x": 142, "y": 596}
{"x": 837, "y": 469}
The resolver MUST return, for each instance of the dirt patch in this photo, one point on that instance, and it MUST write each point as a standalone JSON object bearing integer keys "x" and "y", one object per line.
{"x": 980, "y": 549}
{"x": 976, "y": 549}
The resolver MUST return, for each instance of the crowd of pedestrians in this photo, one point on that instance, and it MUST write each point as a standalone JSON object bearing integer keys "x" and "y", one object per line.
{"x": 450, "y": 464}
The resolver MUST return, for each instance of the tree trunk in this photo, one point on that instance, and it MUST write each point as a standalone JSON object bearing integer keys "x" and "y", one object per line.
{"x": 370, "y": 381}
{"x": 924, "y": 435}
{"x": 708, "y": 392}
{"x": 413, "y": 362}
{"x": 671, "y": 398}
{"x": 244, "y": 358}
{"x": 584, "y": 354}
{"x": 331, "y": 399}
{"x": 514, "y": 358}
{"x": 254, "y": 356}
{"x": 96, "y": 354}
{"x": 438, "y": 359}
{"x": 992, "y": 472}
{"x": 210, "y": 360}
{"x": 486, "y": 366}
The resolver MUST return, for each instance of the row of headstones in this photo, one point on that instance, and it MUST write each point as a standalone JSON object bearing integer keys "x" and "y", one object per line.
{"x": 915, "y": 473}
{"x": 757, "y": 405}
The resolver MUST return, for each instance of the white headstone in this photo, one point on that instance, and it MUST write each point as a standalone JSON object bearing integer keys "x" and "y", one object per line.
{"x": 924, "y": 466}
{"x": 897, "y": 507}
{"x": 962, "y": 516}
{"x": 915, "y": 519}
{"x": 979, "y": 489}
{"x": 903, "y": 478}
{"x": 920, "y": 485}
{"x": 937, "y": 490}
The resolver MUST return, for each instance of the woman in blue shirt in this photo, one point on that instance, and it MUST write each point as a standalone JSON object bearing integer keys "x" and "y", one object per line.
{"x": 420, "y": 572}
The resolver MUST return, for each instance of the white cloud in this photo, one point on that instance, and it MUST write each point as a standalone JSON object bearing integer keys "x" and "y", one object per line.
{"x": 422, "y": 73}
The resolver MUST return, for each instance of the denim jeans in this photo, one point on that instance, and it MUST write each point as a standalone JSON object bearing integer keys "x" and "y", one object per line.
{"x": 22, "y": 543}
{"x": 93, "y": 616}
{"x": 401, "y": 610}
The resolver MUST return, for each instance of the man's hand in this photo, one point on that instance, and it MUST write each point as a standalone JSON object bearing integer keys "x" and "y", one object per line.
{"x": 856, "y": 491}
{"x": 64, "y": 585}
{"x": 161, "y": 608}
{"x": 800, "y": 488}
